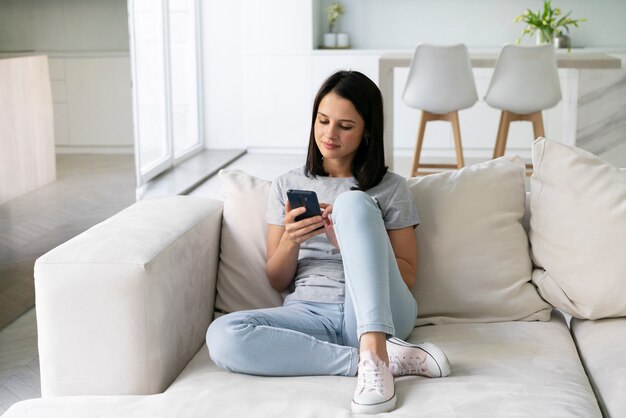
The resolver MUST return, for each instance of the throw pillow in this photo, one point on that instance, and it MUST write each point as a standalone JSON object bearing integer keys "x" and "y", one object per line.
{"x": 578, "y": 231}
{"x": 473, "y": 257}
{"x": 241, "y": 279}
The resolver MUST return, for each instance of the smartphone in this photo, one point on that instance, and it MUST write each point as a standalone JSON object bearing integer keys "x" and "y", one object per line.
{"x": 306, "y": 198}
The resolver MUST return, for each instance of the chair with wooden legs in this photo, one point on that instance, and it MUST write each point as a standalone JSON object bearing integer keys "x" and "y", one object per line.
{"x": 525, "y": 82}
{"x": 440, "y": 83}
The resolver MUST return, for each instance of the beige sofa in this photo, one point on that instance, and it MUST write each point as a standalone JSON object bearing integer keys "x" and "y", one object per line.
{"x": 123, "y": 308}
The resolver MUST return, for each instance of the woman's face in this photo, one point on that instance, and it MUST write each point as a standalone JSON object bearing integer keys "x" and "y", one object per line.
{"x": 338, "y": 129}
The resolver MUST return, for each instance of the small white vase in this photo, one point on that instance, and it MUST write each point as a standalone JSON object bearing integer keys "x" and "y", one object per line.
{"x": 330, "y": 40}
{"x": 343, "y": 40}
{"x": 541, "y": 39}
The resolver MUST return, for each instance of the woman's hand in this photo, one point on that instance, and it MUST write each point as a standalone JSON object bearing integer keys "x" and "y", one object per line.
{"x": 299, "y": 231}
{"x": 283, "y": 246}
{"x": 328, "y": 224}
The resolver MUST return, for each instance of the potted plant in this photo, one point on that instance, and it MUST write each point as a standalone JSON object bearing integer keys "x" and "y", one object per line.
{"x": 549, "y": 25}
{"x": 334, "y": 11}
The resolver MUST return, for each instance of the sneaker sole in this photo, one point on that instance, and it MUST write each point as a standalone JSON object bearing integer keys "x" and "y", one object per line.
{"x": 432, "y": 350}
{"x": 378, "y": 408}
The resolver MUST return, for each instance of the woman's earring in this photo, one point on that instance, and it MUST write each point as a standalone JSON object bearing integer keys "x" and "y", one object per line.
{"x": 367, "y": 139}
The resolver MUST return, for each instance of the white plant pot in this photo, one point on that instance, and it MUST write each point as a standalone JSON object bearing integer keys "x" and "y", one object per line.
{"x": 343, "y": 40}
{"x": 540, "y": 40}
{"x": 330, "y": 40}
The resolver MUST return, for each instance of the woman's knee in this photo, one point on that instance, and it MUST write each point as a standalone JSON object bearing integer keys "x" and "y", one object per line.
{"x": 224, "y": 341}
{"x": 354, "y": 203}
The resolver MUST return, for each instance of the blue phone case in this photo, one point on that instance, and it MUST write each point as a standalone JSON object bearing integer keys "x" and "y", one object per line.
{"x": 306, "y": 198}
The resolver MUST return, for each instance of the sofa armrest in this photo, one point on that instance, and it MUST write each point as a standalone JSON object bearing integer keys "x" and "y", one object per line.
{"x": 124, "y": 306}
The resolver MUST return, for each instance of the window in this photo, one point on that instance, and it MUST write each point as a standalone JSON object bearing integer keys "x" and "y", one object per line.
{"x": 165, "y": 50}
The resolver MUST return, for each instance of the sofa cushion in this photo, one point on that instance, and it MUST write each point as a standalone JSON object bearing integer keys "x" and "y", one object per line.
{"x": 505, "y": 369}
{"x": 603, "y": 353}
{"x": 474, "y": 262}
{"x": 509, "y": 369}
{"x": 578, "y": 231}
{"x": 241, "y": 280}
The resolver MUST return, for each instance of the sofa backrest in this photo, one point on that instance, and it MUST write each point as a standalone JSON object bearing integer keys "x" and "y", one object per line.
{"x": 526, "y": 219}
{"x": 474, "y": 261}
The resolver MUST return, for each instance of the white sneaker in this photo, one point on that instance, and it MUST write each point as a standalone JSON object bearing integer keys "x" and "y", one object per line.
{"x": 375, "y": 392}
{"x": 423, "y": 359}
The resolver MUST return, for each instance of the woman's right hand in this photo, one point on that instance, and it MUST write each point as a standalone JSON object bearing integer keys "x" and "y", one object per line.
{"x": 304, "y": 229}
{"x": 283, "y": 246}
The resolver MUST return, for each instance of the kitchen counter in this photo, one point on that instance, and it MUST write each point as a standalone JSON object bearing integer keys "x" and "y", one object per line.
{"x": 579, "y": 60}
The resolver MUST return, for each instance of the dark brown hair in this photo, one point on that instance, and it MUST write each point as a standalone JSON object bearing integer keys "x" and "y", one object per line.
{"x": 368, "y": 166}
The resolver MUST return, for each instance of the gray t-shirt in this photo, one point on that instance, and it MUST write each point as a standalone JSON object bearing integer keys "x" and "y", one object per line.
{"x": 319, "y": 276}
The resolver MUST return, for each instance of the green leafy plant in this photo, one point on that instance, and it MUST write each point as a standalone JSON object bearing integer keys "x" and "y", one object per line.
{"x": 334, "y": 12}
{"x": 547, "y": 23}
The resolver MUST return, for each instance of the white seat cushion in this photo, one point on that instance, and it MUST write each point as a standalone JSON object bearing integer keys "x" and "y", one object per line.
{"x": 603, "y": 352}
{"x": 498, "y": 369}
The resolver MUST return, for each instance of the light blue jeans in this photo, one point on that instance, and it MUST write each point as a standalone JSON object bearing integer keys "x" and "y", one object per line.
{"x": 307, "y": 338}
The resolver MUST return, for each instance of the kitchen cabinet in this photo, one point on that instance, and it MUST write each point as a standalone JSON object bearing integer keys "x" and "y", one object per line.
{"x": 27, "y": 158}
{"x": 92, "y": 102}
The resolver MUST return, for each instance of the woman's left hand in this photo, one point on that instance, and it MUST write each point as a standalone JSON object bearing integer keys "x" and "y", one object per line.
{"x": 328, "y": 224}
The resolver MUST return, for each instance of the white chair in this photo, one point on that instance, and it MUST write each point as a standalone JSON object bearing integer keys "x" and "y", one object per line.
{"x": 440, "y": 83}
{"x": 525, "y": 82}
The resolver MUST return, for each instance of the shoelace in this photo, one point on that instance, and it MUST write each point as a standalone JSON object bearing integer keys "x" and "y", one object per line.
{"x": 408, "y": 366}
{"x": 370, "y": 378}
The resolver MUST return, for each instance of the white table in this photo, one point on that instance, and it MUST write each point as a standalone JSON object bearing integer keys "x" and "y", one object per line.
{"x": 575, "y": 61}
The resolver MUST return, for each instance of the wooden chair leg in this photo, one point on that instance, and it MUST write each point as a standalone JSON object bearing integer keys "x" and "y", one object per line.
{"x": 503, "y": 132}
{"x": 456, "y": 130}
{"x": 452, "y": 117}
{"x": 537, "y": 120}
{"x": 418, "y": 146}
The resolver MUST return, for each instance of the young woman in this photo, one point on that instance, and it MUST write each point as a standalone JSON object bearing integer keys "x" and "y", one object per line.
{"x": 348, "y": 272}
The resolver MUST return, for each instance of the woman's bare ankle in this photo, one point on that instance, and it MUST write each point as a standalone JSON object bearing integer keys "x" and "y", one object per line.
{"x": 376, "y": 342}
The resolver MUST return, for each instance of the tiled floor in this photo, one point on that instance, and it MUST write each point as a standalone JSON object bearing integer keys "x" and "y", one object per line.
{"x": 19, "y": 361}
{"x": 88, "y": 189}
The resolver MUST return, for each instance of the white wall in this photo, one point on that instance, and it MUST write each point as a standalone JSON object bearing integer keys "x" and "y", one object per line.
{"x": 259, "y": 58}
{"x": 257, "y": 61}
{"x": 87, "y": 45}
{"x": 402, "y": 24}
{"x": 222, "y": 73}
{"x": 262, "y": 67}
{"x": 63, "y": 25}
